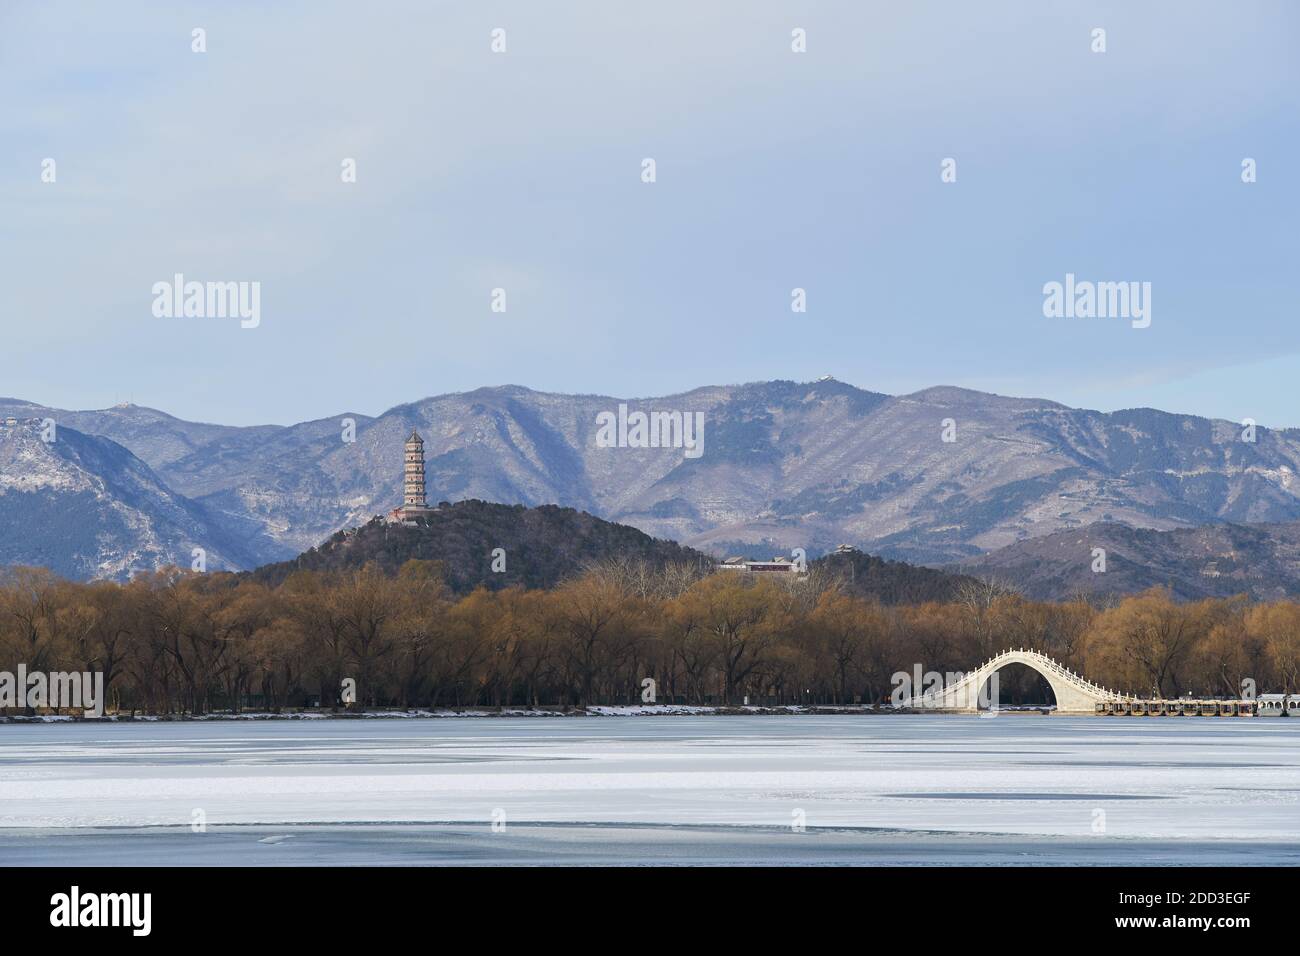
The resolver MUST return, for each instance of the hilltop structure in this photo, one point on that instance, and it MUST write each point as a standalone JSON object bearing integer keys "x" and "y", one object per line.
{"x": 414, "y": 503}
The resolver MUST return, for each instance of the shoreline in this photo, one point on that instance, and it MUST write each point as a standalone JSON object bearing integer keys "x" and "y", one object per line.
{"x": 426, "y": 713}
{"x": 603, "y": 710}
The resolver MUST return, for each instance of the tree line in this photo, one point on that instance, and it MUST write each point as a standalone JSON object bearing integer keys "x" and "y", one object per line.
{"x": 179, "y": 642}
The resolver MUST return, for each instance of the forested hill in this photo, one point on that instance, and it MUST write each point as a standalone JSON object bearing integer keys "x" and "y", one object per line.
{"x": 543, "y": 546}
{"x": 893, "y": 582}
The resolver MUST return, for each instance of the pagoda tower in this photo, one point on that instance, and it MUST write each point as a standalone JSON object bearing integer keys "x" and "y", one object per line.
{"x": 413, "y": 498}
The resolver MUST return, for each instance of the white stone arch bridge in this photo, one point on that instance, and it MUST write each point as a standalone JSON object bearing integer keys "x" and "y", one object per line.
{"x": 1074, "y": 694}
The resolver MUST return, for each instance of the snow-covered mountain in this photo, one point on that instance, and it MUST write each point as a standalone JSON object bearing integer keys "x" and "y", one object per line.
{"x": 784, "y": 465}
{"x": 86, "y": 507}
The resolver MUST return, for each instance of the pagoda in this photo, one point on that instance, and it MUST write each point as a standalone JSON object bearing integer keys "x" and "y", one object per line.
{"x": 414, "y": 503}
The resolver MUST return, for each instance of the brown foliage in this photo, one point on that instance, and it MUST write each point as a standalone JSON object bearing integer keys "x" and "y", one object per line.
{"x": 180, "y": 642}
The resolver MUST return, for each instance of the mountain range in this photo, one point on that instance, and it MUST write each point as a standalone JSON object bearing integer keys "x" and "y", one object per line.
{"x": 784, "y": 465}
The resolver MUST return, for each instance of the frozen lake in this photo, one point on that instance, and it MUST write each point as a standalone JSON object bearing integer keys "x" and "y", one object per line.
{"x": 872, "y": 789}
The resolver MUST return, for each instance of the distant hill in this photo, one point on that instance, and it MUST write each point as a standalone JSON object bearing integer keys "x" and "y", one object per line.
{"x": 1262, "y": 560}
{"x": 542, "y": 545}
{"x": 893, "y": 582}
{"x": 547, "y": 544}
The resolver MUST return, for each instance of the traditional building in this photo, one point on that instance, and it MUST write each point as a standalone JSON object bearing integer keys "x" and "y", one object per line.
{"x": 414, "y": 503}
{"x": 779, "y": 563}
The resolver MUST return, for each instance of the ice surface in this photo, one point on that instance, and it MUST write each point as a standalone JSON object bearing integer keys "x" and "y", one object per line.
{"x": 1082, "y": 779}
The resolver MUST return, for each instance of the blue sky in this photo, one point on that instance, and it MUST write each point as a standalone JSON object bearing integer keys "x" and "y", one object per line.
{"x": 522, "y": 171}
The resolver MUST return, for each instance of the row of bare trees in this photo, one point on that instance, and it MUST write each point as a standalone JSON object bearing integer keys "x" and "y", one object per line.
{"x": 177, "y": 642}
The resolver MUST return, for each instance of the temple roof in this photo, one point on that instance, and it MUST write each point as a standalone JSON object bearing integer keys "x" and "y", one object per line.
{"x": 415, "y": 436}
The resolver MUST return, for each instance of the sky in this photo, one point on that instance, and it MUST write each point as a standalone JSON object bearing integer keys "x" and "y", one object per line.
{"x": 522, "y": 170}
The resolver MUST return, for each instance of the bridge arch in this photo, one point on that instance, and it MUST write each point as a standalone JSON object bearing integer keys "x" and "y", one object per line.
{"x": 1017, "y": 685}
